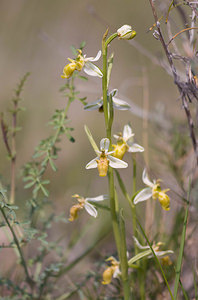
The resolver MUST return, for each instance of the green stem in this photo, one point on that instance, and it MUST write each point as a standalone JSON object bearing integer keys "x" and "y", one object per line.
{"x": 133, "y": 206}
{"x": 141, "y": 277}
{"x": 181, "y": 250}
{"x": 123, "y": 258}
{"x": 104, "y": 84}
{"x": 114, "y": 216}
{"x": 157, "y": 260}
{"x": 13, "y": 153}
{"x": 119, "y": 234}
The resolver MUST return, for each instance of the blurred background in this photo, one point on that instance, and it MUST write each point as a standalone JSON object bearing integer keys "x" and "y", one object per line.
{"x": 36, "y": 36}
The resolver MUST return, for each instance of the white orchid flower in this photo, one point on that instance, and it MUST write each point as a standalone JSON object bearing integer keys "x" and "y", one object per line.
{"x": 125, "y": 143}
{"x": 117, "y": 103}
{"x": 126, "y": 33}
{"x": 104, "y": 159}
{"x": 84, "y": 203}
{"x": 155, "y": 247}
{"x": 147, "y": 252}
{"x": 153, "y": 190}
{"x": 81, "y": 62}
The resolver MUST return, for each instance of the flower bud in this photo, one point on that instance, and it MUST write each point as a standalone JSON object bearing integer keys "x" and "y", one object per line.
{"x": 126, "y": 33}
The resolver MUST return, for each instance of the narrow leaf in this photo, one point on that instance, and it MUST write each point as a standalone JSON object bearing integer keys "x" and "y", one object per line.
{"x": 90, "y": 137}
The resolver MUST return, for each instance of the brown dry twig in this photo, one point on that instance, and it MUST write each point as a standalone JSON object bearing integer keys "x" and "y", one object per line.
{"x": 188, "y": 88}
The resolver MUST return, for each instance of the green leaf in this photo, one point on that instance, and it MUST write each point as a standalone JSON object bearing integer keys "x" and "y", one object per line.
{"x": 181, "y": 250}
{"x": 139, "y": 256}
{"x": 44, "y": 190}
{"x": 82, "y": 45}
{"x": 109, "y": 67}
{"x": 83, "y": 77}
{"x": 53, "y": 166}
{"x": 28, "y": 185}
{"x": 90, "y": 137}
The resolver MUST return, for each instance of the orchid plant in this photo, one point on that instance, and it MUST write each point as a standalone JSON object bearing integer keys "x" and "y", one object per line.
{"x": 110, "y": 157}
{"x": 129, "y": 257}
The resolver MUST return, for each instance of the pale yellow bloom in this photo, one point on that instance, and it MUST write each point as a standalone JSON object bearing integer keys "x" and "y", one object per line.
{"x": 153, "y": 190}
{"x": 125, "y": 143}
{"x": 84, "y": 203}
{"x": 166, "y": 261}
{"x": 81, "y": 62}
{"x": 111, "y": 272}
{"x": 104, "y": 159}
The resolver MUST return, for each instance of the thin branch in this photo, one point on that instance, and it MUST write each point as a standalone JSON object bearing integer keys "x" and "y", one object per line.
{"x": 181, "y": 31}
{"x": 182, "y": 87}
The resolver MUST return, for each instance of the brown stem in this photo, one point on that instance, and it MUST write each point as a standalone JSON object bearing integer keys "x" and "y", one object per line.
{"x": 13, "y": 157}
{"x": 4, "y": 130}
{"x": 182, "y": 92}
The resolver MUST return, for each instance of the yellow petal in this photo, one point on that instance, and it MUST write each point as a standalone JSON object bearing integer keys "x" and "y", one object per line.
{"x": 103, "y": 165}
{"x": 164, "y": 200}
{"x": 74, "y": 212}
{"x": 120, "y": 150}
{"x": 107, "y": 275}
{"x": 69, "y": 70}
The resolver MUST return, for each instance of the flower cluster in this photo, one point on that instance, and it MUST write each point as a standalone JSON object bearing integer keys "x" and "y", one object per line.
{"x": 153, "y": 190}
{"x": 81, "y": 62}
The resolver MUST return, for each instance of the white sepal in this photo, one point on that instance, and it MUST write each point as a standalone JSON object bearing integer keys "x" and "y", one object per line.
{"x": 139, "y": 245}
{"x": 92, "y": 164}
{"x": 135, "y": 148}
{"x": 94, "y": 105}
{"x": 104, "y": 144}
{"x": 92, "y": 70}
{"x": 146, "y": 179}
{"x": 120, "y": 104}
{"x": 98, "y": 198}
{"x": 91, "y": 209}
{"x": 98, "y": 55}
{"x": 117, "y": 163}
{"x": 143, "y": 195}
